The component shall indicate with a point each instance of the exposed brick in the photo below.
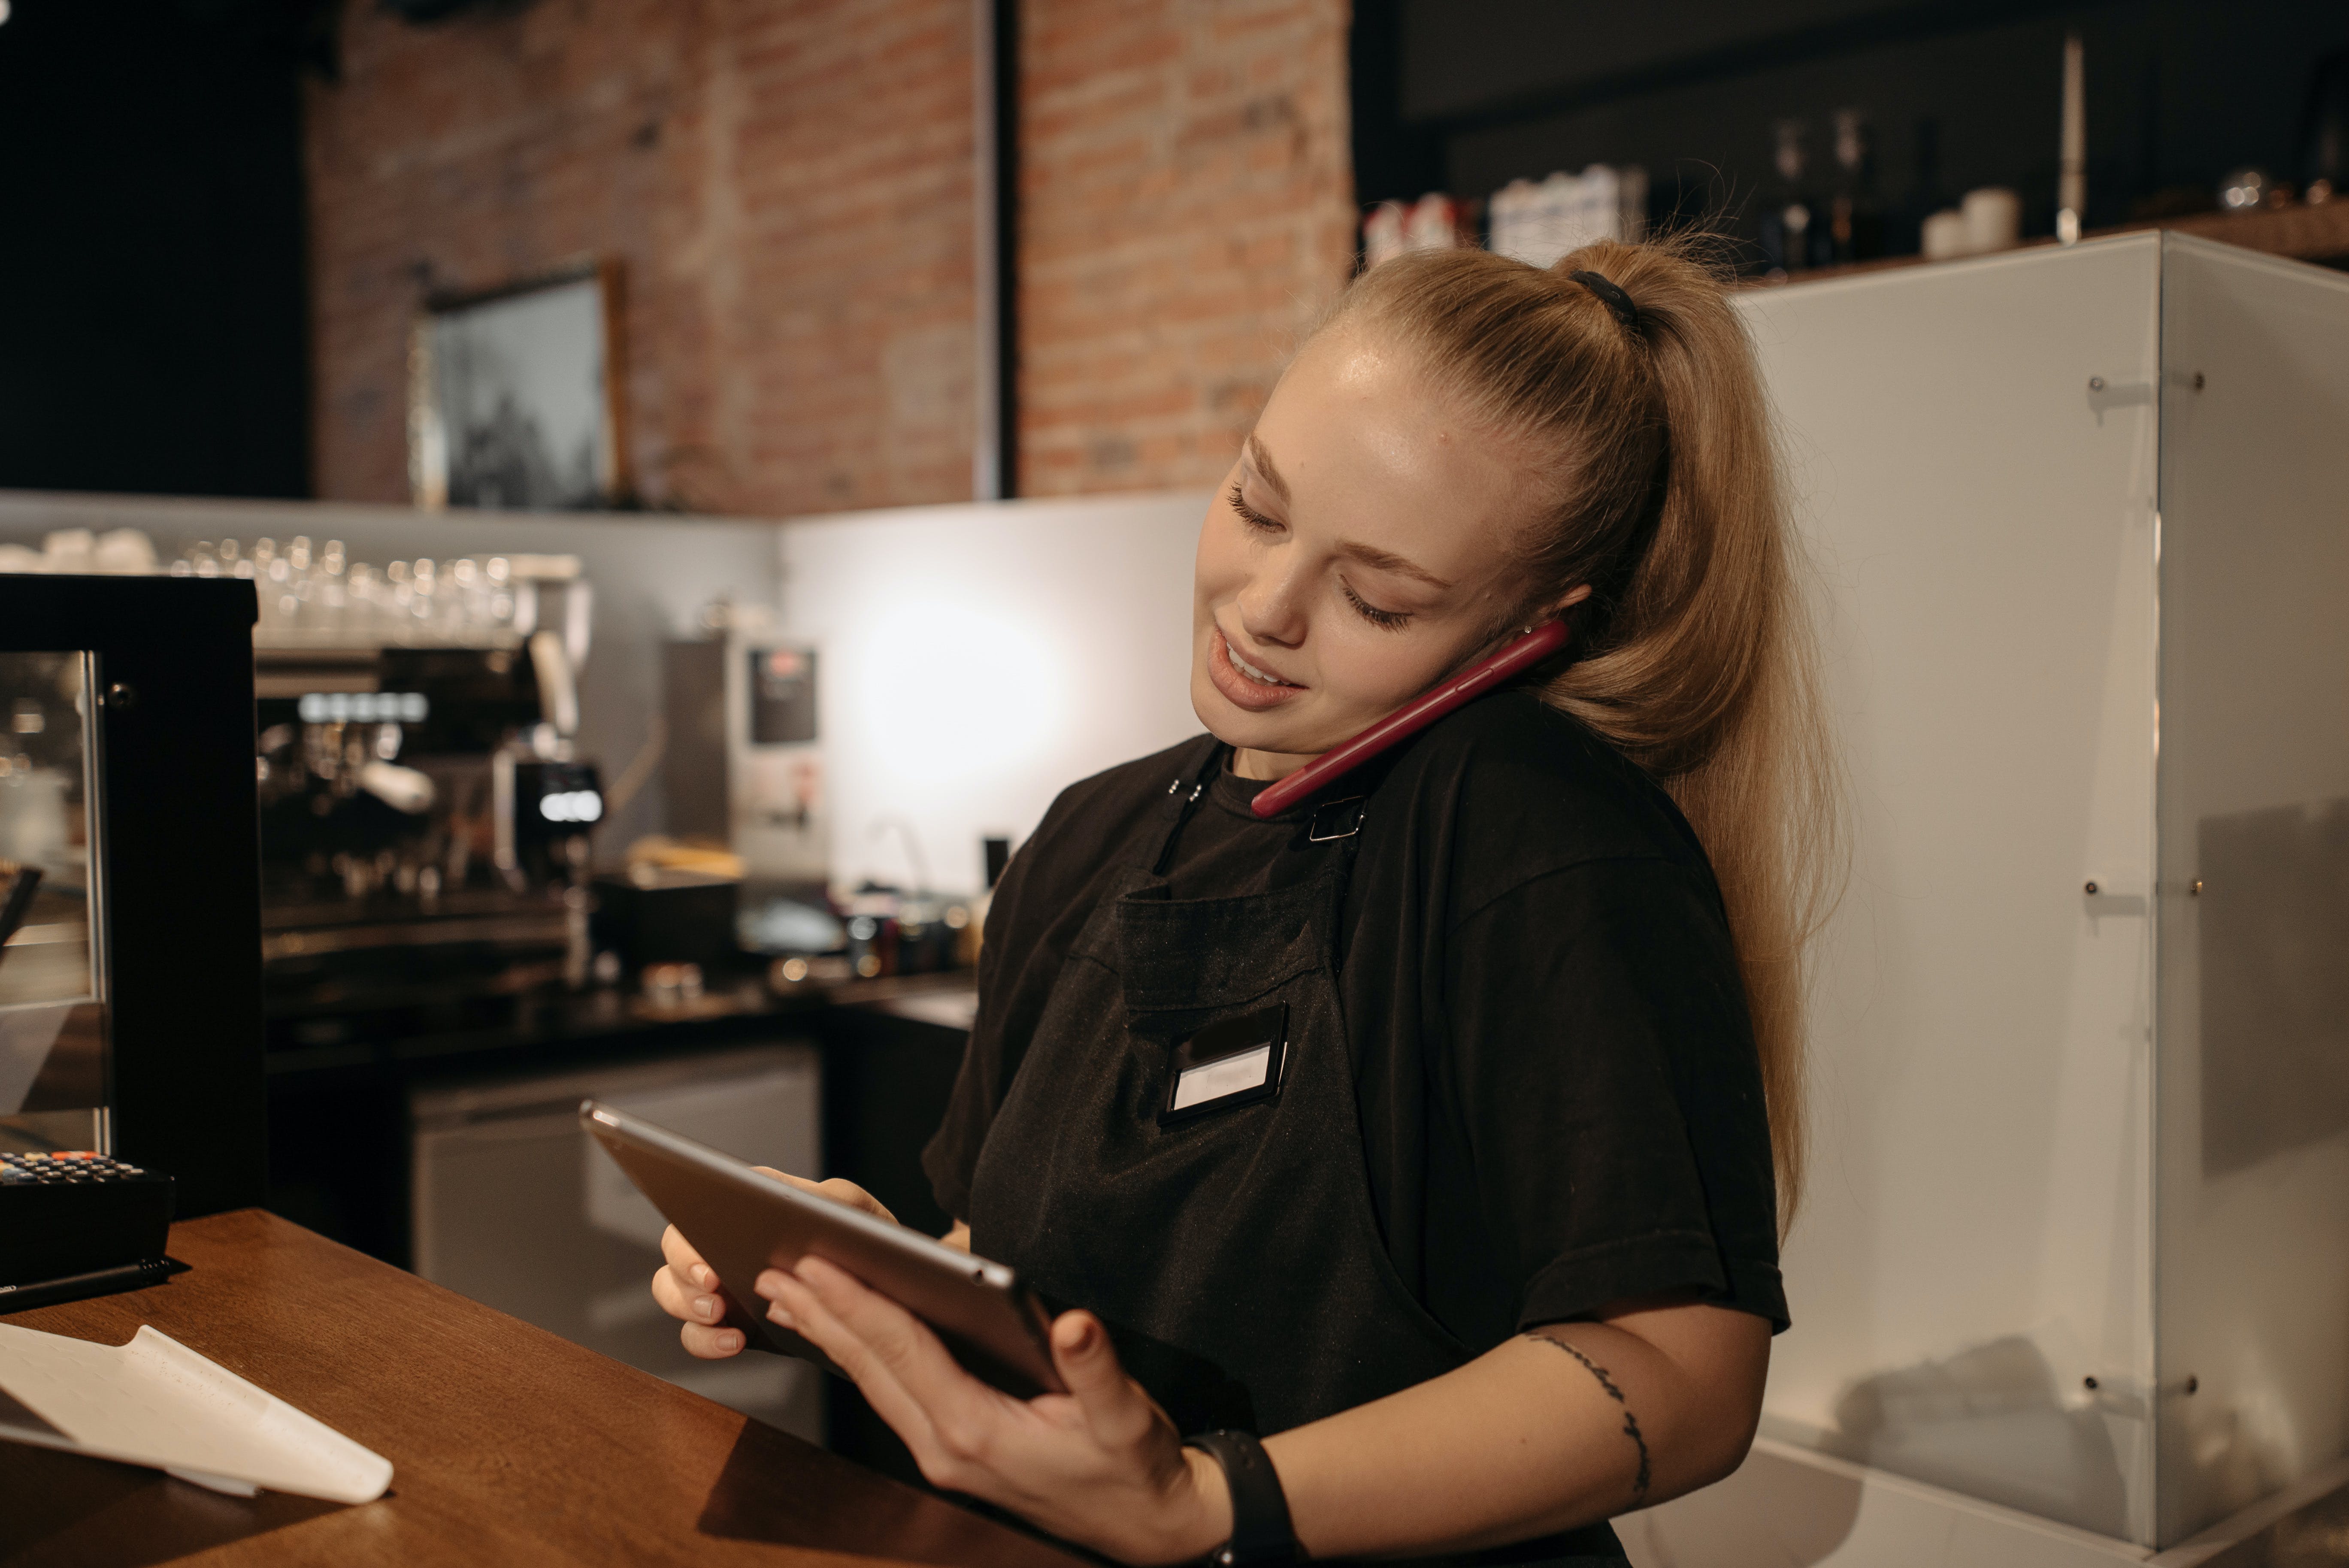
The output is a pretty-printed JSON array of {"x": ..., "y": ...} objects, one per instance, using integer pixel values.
[
  {"x": 787, "y": 185},
  {"x": 1193, "y": 268}
]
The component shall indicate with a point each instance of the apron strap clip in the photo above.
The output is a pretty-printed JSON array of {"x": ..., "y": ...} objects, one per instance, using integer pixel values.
[{"x": 1335, "y": 819}]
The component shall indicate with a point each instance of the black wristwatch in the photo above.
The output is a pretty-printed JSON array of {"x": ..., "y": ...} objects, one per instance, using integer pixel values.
[{"x": 1260, "y": 1529}]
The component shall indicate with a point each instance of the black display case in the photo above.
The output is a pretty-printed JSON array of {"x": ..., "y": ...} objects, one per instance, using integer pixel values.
[{"x": 126, "y": 734}]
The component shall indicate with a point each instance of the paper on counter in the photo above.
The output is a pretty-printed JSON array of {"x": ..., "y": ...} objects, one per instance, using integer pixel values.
[{"x": 156, "y": 1402}]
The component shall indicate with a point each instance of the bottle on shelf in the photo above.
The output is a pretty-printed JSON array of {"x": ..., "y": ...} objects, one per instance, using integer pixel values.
[
  {"x": 1382, "y": 234},
  {"x": 1434, "y": 222},
  {"x": 2072, "y": 148},
  {"x": 1540, "y": 221},
  {"x": 1854, "y": 217},
  {"x": 1510, "y": 215},
  {"x": 1788, "y": 229},
  {"x": 1616, "y": 202}
]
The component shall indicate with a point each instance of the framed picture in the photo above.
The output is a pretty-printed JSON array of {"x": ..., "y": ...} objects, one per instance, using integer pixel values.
[{"x": 514, "y": 396}]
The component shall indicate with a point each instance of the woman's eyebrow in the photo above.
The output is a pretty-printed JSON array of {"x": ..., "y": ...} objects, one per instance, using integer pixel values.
[
  {"x": 1387, "y": 561},
  {"x": 1264, "y": 469}
]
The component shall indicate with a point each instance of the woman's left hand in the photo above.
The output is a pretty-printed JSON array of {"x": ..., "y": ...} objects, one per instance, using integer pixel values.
[{"x": 1101, "y": 1465}]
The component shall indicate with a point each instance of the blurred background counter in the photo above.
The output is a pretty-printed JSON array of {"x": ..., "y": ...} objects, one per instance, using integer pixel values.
[{"x": 695, "y": 816}]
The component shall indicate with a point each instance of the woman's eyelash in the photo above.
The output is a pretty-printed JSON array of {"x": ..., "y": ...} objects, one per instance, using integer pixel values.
[
  {"x": 1388, "y": 619},
  {"x": 1249, "y": 514}
]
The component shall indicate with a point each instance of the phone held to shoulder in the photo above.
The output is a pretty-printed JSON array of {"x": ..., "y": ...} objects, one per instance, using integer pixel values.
[{"x": 1408, "y": 720}]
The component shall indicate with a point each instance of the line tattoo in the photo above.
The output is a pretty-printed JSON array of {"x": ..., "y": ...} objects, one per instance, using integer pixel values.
[{"x": 1631, "y": 1421}]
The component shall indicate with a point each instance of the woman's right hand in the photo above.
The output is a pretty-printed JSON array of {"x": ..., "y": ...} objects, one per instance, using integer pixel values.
[{"x": 686, "y": 1288}]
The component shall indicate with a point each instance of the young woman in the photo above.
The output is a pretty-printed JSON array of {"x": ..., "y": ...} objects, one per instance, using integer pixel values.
[{"x": 1498, "y": 1260}]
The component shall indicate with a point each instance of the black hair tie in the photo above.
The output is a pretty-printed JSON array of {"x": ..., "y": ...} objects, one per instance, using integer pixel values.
[{"x": 1612, "y": 297}]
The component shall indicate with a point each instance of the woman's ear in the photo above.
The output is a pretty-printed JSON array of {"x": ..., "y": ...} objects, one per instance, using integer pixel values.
[
  {"x": 1569, "y": 599},
  {"x": 1557, "y": 607}
]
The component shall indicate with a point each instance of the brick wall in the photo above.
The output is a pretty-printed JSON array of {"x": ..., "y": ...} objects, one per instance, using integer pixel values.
[
  {"x": 786, "y": 183},
  {"x": 1187, "y": 206}
]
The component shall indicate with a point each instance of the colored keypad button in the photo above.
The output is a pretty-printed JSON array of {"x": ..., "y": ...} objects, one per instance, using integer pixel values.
[{"x": 77, "y": 1165}]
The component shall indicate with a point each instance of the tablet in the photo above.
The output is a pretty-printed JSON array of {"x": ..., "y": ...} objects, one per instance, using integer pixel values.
[{"x": 743, "y": 1222}]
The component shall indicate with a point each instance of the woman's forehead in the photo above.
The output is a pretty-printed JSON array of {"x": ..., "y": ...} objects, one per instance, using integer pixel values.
[{"x": 1357, "y": 438}]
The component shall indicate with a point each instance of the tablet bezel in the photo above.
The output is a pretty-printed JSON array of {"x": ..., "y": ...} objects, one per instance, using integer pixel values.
[{"x": 742, "y": 1221}]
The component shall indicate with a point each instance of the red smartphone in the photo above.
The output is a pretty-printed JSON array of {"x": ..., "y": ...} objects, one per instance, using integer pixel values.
[{"x": 1412, "y": 717}]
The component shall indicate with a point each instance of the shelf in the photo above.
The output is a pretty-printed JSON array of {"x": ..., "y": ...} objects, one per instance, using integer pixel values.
[
  {"x": 2319, "y": 234},
  {"x": 2306, "y": 234}
]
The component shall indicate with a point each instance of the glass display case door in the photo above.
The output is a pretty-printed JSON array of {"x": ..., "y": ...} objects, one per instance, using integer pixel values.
[{"x": 54, "y": 1036}]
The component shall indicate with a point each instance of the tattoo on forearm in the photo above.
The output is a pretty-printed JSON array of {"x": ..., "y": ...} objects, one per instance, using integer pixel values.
[{"x": 1631, "y": 1421}]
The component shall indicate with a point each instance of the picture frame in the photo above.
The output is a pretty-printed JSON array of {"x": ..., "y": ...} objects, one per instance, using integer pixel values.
[{"x": 515, "y": 396}]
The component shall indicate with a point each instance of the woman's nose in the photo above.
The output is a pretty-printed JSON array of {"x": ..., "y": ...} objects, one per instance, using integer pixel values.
[{"x": 1272, "y": 606}]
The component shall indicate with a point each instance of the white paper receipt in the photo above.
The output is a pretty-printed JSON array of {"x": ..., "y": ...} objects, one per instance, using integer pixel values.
[{"x": 1214, "y": 1080}]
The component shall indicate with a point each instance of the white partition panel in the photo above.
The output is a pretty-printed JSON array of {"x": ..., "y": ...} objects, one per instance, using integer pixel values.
[
  {"x": 978, "y": 659},
  {"x": 1973, "y": 450},
  {"x": 2077, "y": 1238},
  {"x": 2253, "y": 1275}
]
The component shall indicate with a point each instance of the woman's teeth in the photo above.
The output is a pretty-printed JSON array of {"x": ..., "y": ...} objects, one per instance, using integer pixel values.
[{"x": 1248, "y": 669}]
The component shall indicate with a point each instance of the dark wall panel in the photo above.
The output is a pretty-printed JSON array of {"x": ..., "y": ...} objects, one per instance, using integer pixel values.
[
  {"x": 152, "y": 263},
  {"x": 1464, "y": 57}
]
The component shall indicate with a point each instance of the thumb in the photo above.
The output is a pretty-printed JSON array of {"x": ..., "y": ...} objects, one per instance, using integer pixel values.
[{"x": 1088, "y": 1364}]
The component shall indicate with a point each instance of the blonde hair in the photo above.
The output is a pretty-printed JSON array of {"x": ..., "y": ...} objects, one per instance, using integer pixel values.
[{"x": 1693, "y": 654}]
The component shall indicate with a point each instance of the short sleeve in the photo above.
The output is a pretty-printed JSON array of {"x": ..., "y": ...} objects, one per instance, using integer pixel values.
[{"x": 1602, "y": 1073}]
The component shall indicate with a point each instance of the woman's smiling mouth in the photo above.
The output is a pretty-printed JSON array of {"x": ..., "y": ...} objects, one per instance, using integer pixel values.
[
  {"x": 1250, "y": 671},
  {"x": 1241, "y": 683}
]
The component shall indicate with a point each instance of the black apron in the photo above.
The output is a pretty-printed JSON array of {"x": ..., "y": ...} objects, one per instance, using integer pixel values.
[{"x": 1234, "y": 1256}]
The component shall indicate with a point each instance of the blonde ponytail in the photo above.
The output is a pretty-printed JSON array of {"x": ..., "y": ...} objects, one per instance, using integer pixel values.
[{"x": 1696, "y": 658}]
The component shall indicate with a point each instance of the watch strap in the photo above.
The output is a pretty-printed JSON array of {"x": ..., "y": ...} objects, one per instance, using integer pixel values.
[{"x": 1261, "y": 1531}]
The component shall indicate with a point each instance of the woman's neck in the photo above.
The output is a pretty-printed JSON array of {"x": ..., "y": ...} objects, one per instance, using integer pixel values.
[{"x": 1267, "y": 765}]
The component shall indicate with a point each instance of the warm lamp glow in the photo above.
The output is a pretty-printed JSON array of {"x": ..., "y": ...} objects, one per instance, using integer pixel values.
[{"x": 947, "y": 693}]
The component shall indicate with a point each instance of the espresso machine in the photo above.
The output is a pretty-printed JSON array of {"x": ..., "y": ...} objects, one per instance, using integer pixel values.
[{"x": 426, "y": 821}]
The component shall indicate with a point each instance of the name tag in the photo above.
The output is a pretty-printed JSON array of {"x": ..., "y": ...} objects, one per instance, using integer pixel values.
[
  {"x": 1222, "y": 1079},
  {"x": 1235, "y": 1062}
]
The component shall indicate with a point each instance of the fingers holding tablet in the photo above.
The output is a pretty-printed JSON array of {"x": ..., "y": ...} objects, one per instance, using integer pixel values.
[
  {"x": 748, "y": 1223},
  {"x": 686, "y": 1289},
  {"x": 680, "y": 1259}
]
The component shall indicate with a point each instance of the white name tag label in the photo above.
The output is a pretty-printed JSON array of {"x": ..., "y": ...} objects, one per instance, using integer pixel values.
[
  {"x": 1233, "y": 1062},
  {"x": 1216, "y": 1079}
]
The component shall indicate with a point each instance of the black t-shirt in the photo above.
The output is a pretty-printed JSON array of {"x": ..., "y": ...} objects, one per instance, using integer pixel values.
[{"x": 1555, "y": 1073}]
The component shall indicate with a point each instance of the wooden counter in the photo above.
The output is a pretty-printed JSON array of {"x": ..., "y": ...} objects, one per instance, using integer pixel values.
[{"x": 507, "y": 1445}]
